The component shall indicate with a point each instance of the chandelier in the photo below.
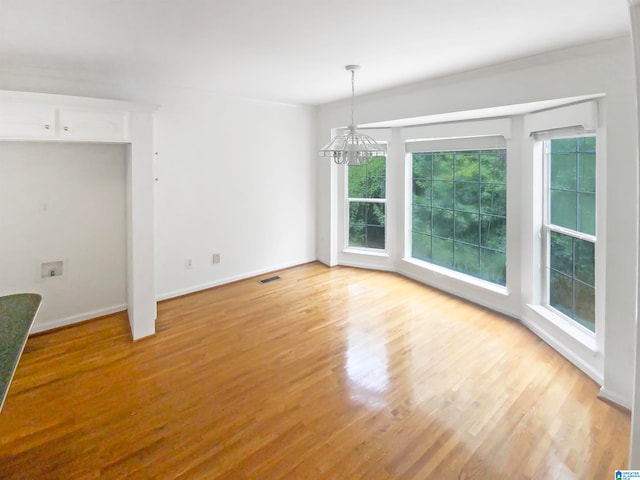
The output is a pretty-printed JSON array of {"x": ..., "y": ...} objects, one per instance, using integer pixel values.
[{"x": 352, "y": 147}]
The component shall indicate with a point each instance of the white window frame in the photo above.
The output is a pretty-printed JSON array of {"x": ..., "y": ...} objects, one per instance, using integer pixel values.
[
  {"x": 575, "y": 341},
  {"x": 382, "y": 136},
  {"x": 454, "y": 136},
  {"x": 547, "y": 227},
  {"x": 348, "y": 203}
]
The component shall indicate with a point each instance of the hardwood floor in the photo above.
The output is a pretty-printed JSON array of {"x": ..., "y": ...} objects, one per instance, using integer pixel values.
[{"x": 325, "y": 374}]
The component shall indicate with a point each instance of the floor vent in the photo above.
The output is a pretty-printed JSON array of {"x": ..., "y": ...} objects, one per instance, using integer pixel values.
[{"x": 270, "y": 279}]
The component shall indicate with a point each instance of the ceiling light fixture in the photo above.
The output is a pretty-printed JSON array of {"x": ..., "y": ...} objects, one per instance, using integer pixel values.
[{"x": 352, "y": 148}]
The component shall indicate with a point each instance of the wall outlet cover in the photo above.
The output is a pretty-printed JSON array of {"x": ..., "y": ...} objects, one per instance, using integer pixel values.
[{"x": 52, "y": 269}]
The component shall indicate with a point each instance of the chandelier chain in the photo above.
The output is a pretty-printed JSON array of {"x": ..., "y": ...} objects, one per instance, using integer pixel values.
[{"x": 353, "y": 93}]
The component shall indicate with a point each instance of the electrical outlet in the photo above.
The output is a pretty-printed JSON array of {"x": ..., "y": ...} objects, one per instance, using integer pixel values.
[
  {"x": 188, "y": 263},
  {"x": 216, "y": 258}
]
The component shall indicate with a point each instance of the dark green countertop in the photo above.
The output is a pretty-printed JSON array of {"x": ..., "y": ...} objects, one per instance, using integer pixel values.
[{"x": 17, "y": 313}]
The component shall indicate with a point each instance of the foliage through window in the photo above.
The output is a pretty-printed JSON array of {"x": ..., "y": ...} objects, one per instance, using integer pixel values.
[
  {"x": 458, "y": 211},
  {"x": 367, "y": 202},
  {"x": 571, "y": 227}
]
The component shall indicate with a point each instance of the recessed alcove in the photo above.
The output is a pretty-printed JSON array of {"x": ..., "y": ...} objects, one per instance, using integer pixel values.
[{"x": 34, "y": 117}]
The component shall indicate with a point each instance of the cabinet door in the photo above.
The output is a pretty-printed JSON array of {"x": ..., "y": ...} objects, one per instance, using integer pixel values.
[
  {"x": 93, "y": 126},
  {"x": 19, "y": 121}
]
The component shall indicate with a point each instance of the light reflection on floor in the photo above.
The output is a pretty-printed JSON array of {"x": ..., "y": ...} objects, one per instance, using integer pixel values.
[{"x": 367, "y": 367}]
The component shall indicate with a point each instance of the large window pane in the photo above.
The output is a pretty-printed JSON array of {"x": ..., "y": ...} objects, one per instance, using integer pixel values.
[
  {"x": 367, "y": 224},
  {"x": 573, "y": 184},
  {"x": 459, "y": 205},
  {"x": 571, "y": 278}
]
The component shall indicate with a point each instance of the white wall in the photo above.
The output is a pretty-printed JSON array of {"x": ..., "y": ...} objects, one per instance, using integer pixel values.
[
  {"x": 64, "y": 202},
  {"x": 601, "y": 68},
  {"x": 235, "y": 177},
  {"x": 634, "y": 444}
]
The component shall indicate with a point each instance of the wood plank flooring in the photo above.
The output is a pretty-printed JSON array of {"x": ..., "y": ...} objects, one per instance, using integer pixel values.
[{"x": 325, "y": 374}]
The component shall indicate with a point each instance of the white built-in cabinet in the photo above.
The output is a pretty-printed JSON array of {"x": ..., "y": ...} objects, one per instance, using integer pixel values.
[
  {"x": 26, "y": 116},
  {"x": 48, "y": 122},
  {"x": 19, "y": 121}
]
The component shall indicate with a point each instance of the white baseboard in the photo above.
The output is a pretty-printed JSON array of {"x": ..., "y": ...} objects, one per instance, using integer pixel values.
[
  {"x": 563, "y": 350},
  {"x": 456, "y": 293},
  {"x": 326, "y": 261},
  {"x": 382, "y": 268},
  {"x": 80, "y": 317},
  {"x": 615, "y": 398},
  {"x": 234, "y": 278}
]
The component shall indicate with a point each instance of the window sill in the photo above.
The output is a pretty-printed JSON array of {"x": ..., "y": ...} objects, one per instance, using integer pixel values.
[
  {"x": 462, "y": 277},
  {"x": 367, "y": 251},
  {"x": 587, "y": 339}
]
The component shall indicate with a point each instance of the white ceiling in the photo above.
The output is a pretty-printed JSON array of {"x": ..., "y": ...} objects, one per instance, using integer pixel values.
[{"x": 290, "y": 50}]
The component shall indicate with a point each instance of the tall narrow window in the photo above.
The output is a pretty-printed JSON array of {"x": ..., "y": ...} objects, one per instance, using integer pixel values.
[
  {"x": 570, "y": 226},
  {"x": 458, "y": 211},
  {"x": 366, "y": 202}
]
